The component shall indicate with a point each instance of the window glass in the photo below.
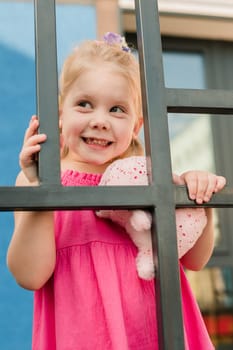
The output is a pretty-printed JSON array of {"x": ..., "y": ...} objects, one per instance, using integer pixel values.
[
  {"x": 192, "y": 148},
  {"x": 184, "y": 70},
  {"x": 189, "y": 133}
]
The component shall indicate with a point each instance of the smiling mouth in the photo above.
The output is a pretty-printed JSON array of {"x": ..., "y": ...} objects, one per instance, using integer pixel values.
[{"x": 94, "y": 141}]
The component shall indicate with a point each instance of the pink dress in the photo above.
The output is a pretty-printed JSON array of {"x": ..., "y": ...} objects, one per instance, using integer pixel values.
[{"x": 95, "y": 300}]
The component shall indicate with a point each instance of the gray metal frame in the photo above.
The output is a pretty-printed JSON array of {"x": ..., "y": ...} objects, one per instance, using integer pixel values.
[
  {"x": 161, "y": 197},
  {"x": 218, "y": 58}
]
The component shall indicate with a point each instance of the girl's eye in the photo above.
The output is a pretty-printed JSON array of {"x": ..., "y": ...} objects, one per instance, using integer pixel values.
[
  {"x": 84, "y": 104},
  {"x": 117, "y": 109}
]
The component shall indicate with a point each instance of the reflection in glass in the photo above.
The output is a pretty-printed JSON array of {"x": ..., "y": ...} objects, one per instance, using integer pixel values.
[
  {"x": 213, "y": 290},
  {"x": 189, "y": 133}
]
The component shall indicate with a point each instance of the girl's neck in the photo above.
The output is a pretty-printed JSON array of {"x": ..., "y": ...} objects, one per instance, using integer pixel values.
[{"x": 82, "y": 167}]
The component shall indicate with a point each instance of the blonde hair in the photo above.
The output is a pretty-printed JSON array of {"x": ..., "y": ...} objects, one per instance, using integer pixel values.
[{"x": 94, "y": 52}]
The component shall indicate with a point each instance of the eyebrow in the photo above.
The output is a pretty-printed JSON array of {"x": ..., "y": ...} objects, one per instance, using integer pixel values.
[
  {"x": 83, "y": 96},
  {"x": 120, "y": 101}
]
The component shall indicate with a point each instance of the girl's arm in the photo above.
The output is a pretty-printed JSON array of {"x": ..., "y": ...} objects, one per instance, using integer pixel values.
[
  {"x": 31, "y": 253},
  {"x": 201, "y": 186}
]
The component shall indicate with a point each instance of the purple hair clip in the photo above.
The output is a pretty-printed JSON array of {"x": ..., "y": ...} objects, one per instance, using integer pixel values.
[{"x": 115, "y": 39}]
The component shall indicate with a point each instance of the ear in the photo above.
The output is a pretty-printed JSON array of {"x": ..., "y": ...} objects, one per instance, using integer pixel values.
[
  {"x": 62, "y": 143},
  {"x": 60, "y": 130},
  {"x": 60, "y": 121},
  {"x": 137, "y": 126}
]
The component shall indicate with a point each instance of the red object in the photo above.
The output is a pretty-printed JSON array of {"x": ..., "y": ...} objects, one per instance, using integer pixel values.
[
  {"x": 211, "y": 324},
  {"x": 225, "y": 324}
]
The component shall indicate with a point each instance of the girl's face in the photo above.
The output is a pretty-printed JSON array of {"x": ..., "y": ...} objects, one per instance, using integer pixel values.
[{"x": 98, "y": 118}]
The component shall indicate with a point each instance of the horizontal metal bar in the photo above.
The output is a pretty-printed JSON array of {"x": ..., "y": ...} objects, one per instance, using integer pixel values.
[
  {"x": 59, "y": 197},
  {"x": 199, "y": 101},
  {"x": 223, "y": 199}
]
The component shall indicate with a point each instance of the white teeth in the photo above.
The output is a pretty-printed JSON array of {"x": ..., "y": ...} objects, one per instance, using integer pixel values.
[{"x": 92, "y": 141}]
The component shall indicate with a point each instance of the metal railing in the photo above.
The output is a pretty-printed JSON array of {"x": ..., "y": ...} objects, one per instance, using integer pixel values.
[{"x": 161, "y": 196}]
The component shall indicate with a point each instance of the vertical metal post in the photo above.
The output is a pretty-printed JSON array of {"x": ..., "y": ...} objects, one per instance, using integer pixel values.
[
  {"x": 47, "y": 90},
  {"x": 169, "y": 313}
]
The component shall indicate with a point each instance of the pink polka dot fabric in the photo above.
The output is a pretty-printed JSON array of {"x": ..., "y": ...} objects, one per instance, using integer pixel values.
[{"x": 133, "y": 171}]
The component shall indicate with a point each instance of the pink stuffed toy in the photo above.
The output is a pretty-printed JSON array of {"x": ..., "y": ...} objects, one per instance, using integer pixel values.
[{"x": 137, "y": 223}]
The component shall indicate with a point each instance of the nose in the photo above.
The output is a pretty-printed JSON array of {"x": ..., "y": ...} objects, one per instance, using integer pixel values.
[{"x": 100, "y": 121}]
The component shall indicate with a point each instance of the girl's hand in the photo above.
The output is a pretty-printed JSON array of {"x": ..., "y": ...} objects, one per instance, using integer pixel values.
[
  {"x": 30, "y": 149},
  {"x": 201, "y": 184}
]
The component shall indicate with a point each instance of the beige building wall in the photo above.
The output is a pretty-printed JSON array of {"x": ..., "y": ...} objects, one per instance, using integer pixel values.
[
  {"x": 108, "y": 16},
  {"x": 204, "y": 19},
  {"x": 198, "y": 27}
]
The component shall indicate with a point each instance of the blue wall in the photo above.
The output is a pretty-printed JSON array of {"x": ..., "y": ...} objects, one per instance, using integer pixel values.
[{"x": 17, "y": 104}]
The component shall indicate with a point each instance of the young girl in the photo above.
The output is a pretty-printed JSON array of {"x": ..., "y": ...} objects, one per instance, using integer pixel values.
[{"x": 88, "y": 295}]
